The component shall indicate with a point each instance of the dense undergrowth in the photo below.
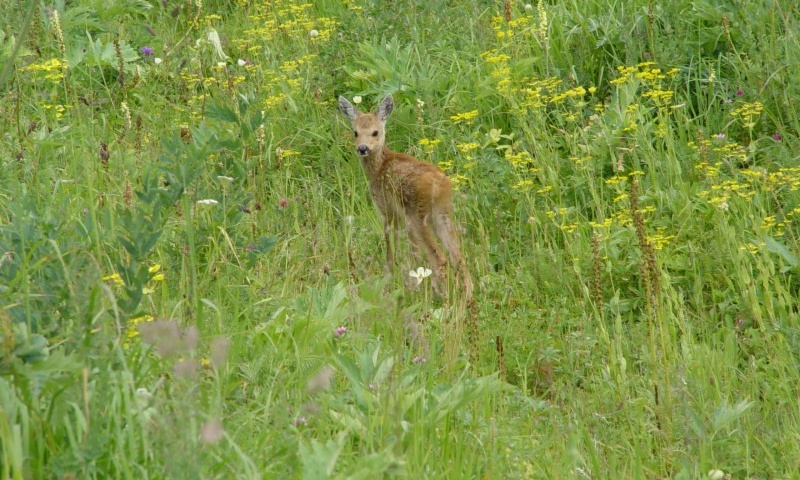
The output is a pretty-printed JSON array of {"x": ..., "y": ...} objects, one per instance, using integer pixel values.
[{"x": 190, "y": 269}]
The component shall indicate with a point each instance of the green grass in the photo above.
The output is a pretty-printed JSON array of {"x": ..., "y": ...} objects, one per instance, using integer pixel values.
[{"x": 628, "y": 189}]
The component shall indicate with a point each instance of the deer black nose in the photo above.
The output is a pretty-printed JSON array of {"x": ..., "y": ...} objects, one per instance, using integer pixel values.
[{"x": 362, "y": 149}]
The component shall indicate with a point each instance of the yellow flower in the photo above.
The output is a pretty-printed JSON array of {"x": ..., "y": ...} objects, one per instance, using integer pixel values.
[
  {"x": 115, "y": 278},
  {"x": 446, "y": 165},
  {"x": 465, "y": 148},
  {"x": 427, "y": 142},
  {"x": 523, "y": 184},
  {"x": 133, "y": 322},
  {"x": 53, "y": 69},
  {"x": 466, "y": 117}
]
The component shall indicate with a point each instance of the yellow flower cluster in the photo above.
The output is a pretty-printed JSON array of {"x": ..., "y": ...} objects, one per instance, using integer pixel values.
[
  {"x": 52, "y": 69},
  {"x": 538, "y": 92},
  {"x": 577, "y": 92},
  {"x": 466, "y": 117},
  {"x": 521, "y": 160},
  {"x": 748, "y": 113},
  {"x": 466, "y": 148},
  {"x": 428, "y": 144},
  {"x": 133, "y": 323},
  {"x": 284, "y": 17}
]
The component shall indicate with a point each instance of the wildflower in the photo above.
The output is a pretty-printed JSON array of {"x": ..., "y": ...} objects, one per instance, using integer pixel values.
[
  {"x": 777, "y": 137},
  {"x": 465, "y": 148},
  {"x": 283, "y": 203},
  {"x": 241, "y": 62},
  {"x": 340, "y": 331},
  {"x": 115, "y": 278},
  {"x": 300, "y": 421},
  {"x": 143, "y": 394},
  {"x": 420, "y": 274},
  {"x": 739, "y": 92},
  {"x": 313, "y": 34},
  {"x": 419, "y": 360},
  {"x": 224, "y": 179},
  {"x": 213, "y": 37},
  {"x": 720, "y": 136},
  {"x": 430, "y": 143},
  {"x": 716, "y": 474},
  {"x": 466, "y": 117},
  {"x": 155, "y": 268},
  {"x": 133, "y": 330},
  {"x": 207, "y": 201},
  {"x": 126, "y": 114},
  {"x": 528, "y": 7},
  {"x": 357, "y": 99},
  {"x": 157, "y": 61},
  {"x": 146, "y": 51},
  {"x": 221, "y": 64}
]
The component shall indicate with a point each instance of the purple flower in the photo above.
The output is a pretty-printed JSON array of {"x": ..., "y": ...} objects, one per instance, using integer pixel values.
[
  {"x": 283, "y": 203},
  {"x": 777, "y": 137},
  {"x": 340, "y": 332},
  {"x": 147, "y": 51},
  {"x": 720, "y": 136},
  {"x": 419, "y": 360},
  {"x": 739, "y": 92}
]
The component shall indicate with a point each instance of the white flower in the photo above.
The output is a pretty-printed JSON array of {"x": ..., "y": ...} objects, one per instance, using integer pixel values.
[
  {"x": 157, "y": 61},
  {"x": 224, "y": 179},
  {"x": 528, "y": 6},
  {"x": 357, "y": 99},
  {"x": 420, "y": 103},
  {"x": 420, "y": 274},
  {"x": 207, "y": 201},
  {"x": 313, "y": 33},
  {"x": 241, "y": 62},
  {"x": 143, "y": 393},
  {"x": 213, "y": 37},
  {"x": 716, "y": 474},
  {"x": 221, "y": 64}
]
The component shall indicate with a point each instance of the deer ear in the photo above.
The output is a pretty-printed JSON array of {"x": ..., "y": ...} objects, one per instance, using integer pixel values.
[
  {"x": 385, "y": 108},
  {"x": 347, "y": 109}
]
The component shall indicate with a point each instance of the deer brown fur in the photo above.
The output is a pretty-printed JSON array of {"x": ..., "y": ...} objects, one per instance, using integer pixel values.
[{"x": 407, "y": 189}]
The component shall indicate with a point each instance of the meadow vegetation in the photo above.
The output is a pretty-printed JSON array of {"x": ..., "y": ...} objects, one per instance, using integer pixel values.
[{"x": 191, "y": 277}]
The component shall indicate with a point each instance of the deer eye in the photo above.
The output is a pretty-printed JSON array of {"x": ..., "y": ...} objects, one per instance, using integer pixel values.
[
  {"x": 375, "y": 133},
  {"x": 355, "y": 133}
]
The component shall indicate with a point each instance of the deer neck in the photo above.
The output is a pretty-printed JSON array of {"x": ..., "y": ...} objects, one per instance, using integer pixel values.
[{"x": 374, "y": 162}]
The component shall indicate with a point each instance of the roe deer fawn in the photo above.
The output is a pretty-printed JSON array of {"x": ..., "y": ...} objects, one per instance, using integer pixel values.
[{"x": 404, "y": 187}]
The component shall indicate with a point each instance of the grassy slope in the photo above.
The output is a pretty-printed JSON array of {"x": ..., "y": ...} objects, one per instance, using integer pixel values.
[{"x": 637, "y": 339}]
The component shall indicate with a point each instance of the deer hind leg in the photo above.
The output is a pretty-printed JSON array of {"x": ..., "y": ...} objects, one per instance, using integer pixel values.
[
  {"x": 421, "y": 234},
  {"x": 446, "y": 231},
  {"x": 416, "y": 241}
]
